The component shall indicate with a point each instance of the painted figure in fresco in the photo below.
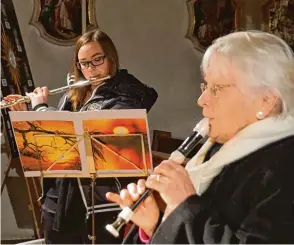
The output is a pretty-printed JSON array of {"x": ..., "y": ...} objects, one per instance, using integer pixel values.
[
  {"x": 61, "y": 18},
  {"x": 226, "y": 18},
  {"x": 213, "y": 18}
]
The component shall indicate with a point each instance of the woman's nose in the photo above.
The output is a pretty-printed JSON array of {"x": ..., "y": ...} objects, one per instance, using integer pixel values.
[{"x": 203, "y": 99}]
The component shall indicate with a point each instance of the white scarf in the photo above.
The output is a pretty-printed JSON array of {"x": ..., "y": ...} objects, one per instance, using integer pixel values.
[{"x": 248, "y": 140}]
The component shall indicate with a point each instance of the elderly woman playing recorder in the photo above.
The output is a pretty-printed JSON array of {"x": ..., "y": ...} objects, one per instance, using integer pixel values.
[{"x": 239, "y": 187}]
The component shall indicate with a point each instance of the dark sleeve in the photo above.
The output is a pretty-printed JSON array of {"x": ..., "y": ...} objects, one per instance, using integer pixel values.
[
  {"x": 184, "y": 225},
  {"x": 124, "y": 103},
  {"x": 132, "y": 88},
  {"x": 271, "y": 217},
  {"x": 132, "y": 94},
  {"x": 149, "y": 99},
  {"x": 137, "y": 97},
  {"x": 133, "y": 236}
]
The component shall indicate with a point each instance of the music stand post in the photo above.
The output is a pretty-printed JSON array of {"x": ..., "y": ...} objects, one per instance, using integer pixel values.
[
  {"x": 90, "y": 159},
  {"x": 93, "y": 236}
]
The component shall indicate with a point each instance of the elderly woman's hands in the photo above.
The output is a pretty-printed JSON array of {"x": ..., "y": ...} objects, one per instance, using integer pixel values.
[
  {"x": 173, "y": 183},
  {"x": 147, "y": 213}
]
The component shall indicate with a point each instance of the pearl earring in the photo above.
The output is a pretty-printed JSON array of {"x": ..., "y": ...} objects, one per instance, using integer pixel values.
[{"x": 259, "y": 115}]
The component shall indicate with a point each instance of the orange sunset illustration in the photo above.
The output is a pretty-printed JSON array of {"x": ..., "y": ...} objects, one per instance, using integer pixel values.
[
  {"x": 47, "y": 145},
  {"x": 119, "y": 144}
]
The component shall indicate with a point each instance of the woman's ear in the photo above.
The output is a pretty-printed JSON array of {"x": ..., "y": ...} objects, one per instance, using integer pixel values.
[{"x": 270, "y": 101}]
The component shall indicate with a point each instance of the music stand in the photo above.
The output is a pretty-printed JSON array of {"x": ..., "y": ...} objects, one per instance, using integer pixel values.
[{"x": 101, "y": 144}]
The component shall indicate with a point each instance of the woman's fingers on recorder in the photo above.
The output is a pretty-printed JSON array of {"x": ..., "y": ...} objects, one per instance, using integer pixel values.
[
  {"x": 126, "y": 198},
  {"x": 123, "y": 198},
  {"x": 141, "y": 186},
  {"x": 114, "y": 197},
  {"x": 133, "y": 191},
  {"x": 136, "y": 190}
]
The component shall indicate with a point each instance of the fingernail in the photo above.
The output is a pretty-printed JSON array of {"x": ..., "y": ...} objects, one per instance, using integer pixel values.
[{"x": 135, "y": 195}]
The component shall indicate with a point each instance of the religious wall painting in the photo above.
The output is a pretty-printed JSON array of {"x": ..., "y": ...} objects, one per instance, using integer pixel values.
[
  {"x": 210, "y": 19},
  {"x": 60, "y": 21}
]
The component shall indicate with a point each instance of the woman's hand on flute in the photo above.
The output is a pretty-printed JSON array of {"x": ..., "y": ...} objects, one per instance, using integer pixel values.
[
  {"x": 16, "y": 107},
  {"x": 39, "y": 96},
  {"x": 146, "y": 214},
  {"x": 172, "y": 182}
]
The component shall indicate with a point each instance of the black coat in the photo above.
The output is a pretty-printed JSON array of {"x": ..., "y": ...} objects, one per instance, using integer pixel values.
[
  {"x": 123, "y": 91},
  {"x": 62, "y": 196},
  {"x": 250, "y": 201}
]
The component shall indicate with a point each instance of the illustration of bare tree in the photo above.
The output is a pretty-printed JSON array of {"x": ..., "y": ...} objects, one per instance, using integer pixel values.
[{"x": 37, "y": 152}]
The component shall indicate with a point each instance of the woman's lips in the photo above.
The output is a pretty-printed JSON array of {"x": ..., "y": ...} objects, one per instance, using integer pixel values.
[{"x": 209, "y": 118}]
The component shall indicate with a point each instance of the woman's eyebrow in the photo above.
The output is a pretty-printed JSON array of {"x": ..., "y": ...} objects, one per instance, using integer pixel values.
[{"x": 99, "y": 53}]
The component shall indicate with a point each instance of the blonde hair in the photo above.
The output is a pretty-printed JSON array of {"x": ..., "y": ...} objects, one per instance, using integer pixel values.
[
  {"x": 77, "y": 95},
  {"x": 265, "y": 60}
]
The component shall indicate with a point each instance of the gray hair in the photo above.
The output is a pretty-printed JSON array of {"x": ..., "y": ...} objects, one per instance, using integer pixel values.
[{"x": 266, "y": 61}]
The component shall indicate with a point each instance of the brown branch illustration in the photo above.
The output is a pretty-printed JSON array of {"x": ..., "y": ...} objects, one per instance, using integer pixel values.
[{"x": 29, "y": 148}]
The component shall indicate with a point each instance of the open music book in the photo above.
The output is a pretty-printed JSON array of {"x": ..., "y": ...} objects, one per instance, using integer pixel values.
[{"x": 108, "y": 143}]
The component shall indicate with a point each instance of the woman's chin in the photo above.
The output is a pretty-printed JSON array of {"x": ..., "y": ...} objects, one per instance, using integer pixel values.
[{"x": 216, "y": 137}]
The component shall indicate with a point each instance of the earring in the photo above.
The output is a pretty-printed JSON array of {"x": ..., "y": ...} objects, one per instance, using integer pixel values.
[{"x": 259, "y": 115}]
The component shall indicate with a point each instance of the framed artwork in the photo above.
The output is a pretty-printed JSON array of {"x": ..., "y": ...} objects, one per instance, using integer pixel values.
[
  {"x": 278, "y": 19},
  {"x": 61, "y": 21},
  {"x": 210, "y": 19}
]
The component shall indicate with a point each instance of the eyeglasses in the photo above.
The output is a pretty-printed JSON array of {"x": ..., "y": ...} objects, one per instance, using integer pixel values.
[
  {"x": 215, "y": 89},
  {"x": 95, "y": 62}
]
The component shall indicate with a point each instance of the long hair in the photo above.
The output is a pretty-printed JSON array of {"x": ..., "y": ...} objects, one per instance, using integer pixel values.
[{"x": 77, "y": 95}]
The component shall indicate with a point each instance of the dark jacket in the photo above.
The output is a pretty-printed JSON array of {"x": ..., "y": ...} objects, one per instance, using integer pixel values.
[
  {"x": 123, "y": 91},
  {"x": 250, "y": 201},
  {"x": 62, "y": 196}
]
